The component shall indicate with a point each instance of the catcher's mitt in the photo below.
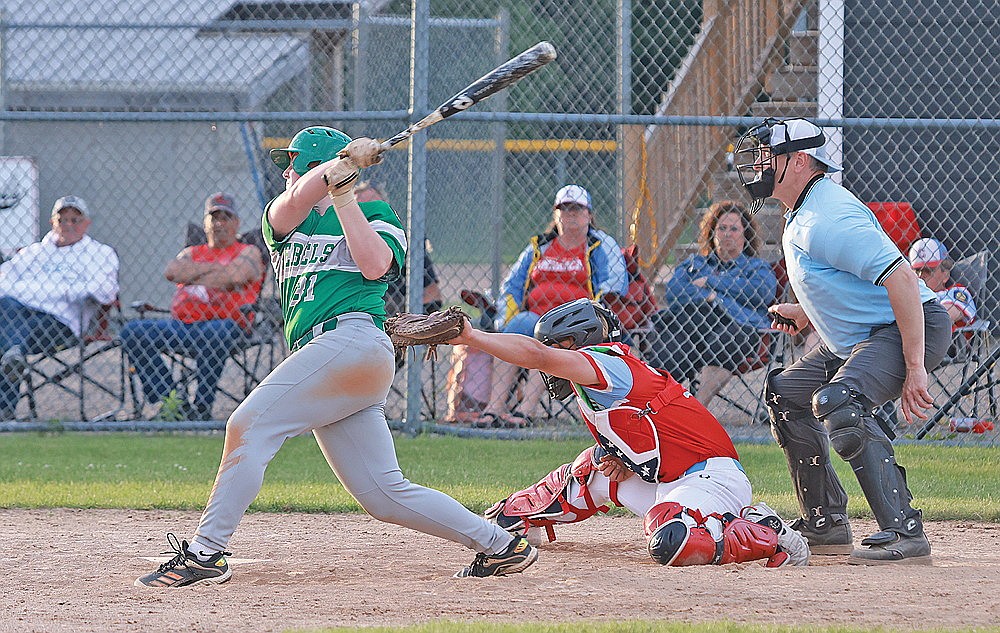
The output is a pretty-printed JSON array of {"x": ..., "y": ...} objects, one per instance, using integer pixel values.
[{"x": 408, "y": 329}]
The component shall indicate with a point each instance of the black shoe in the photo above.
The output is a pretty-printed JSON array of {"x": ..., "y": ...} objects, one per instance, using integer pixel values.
[
  {"x": 518, "y": 556},
  {"x": 893, "y": 548},
  {"x": 13, "y": 364},
  {"x": 185, "y": 569},
  {"x": 837, "y": 539}
]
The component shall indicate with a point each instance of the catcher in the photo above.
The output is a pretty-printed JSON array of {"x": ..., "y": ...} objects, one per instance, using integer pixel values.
[{"x": 659, "y": 452}]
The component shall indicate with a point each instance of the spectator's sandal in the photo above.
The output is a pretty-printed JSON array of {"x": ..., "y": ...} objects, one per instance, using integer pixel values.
[
  {"x": 486, "y": 421},
  {"x": 515, "y": 420}
]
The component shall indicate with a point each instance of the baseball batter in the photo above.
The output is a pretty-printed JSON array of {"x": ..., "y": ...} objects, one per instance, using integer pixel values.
[
  {"x": 659, "y": 452},
  {"x": 332, "y": 258}
]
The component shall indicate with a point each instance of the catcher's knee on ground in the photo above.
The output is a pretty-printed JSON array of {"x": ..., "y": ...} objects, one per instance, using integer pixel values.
[
  {"x": 546, "y": 503},
  {"x": 680, "y": 536}
]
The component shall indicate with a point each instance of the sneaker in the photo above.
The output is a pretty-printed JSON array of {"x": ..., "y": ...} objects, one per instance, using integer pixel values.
[
  {"x": 893, "y": 548},
  {"x": 185, "y": 569},
  {"x": 837, "y": 539},
  {"x": 518, "y": 556},
  {"x": 793, "y": 549},
  {"x": 13, "y": 364}
]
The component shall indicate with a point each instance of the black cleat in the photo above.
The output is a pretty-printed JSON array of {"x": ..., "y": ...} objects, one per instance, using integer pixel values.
[
  {"x": 518, "y": 556},
  {"x": 185, "y": 568},
  {"x": 837, "y": 539}
]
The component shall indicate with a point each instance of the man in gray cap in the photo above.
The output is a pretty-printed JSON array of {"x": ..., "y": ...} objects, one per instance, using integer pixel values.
[
  {"x": 214, "y": 281},
  {"x": 49, "y": 292},
  {"x": 881, "y": 331}
]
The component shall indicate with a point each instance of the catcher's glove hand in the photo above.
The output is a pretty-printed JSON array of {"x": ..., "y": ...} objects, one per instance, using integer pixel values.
[{"x": 408, "y": 329}]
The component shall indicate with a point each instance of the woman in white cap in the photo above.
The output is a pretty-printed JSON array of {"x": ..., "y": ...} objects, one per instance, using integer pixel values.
[{"x": 572, "y": 259}]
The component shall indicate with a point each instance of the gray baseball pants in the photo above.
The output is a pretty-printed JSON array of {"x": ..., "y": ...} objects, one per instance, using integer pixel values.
[{"x": 335, "y": 386}]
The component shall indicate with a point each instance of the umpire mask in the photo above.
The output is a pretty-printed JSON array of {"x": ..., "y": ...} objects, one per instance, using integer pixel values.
[
  {"x": 757, "y": 149},
  {"x": 754, "y": 162}
]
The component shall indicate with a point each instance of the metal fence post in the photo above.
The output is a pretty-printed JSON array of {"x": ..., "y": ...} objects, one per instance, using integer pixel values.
[
  {"x": 499, "y": 129},
  {"x": 417, "y": 176}
]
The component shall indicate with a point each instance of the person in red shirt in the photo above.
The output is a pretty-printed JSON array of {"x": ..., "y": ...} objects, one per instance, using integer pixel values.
[
  {"x": 214, "y": 281},
  {"x": 572, "y": 259},
  {"x": 660, "y": 453}
]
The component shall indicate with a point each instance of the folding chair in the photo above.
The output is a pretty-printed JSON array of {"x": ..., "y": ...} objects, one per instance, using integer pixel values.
[
  {"x": 775, "y": 350},
  {"x": 254, "y": 357},
  {"x": 971, "y": 349},
  {"x": 71, "y": 369}
]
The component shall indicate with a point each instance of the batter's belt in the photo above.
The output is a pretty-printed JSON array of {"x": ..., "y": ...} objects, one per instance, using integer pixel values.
[{"x": 331, "y": 324}]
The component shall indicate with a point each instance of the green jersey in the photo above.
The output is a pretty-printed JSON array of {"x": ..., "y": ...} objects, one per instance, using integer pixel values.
[{"x": 317, "y": 276}]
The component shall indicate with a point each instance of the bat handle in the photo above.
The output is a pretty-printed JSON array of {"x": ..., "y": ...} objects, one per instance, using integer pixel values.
[{"x": 395, "y": 140}]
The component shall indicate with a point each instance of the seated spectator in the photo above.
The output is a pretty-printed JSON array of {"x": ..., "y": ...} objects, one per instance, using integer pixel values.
[
  {"x": 929, "y": 259},
  {"x": 214, "y": 281},
  {"x": 572, "y": 259},
  {"x": 395, "y": 296},
  {"x": 716, "y": 301},
  {"x": 49, "y": 292}
]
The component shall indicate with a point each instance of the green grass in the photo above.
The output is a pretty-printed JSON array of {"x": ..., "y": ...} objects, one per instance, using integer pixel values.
[
  {"x": 617, "y": 627},
  {"x": 177, "y": 471}
]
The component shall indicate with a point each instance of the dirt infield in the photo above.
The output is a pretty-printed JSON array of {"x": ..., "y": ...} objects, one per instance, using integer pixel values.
[{"x": 73, "y": 570}]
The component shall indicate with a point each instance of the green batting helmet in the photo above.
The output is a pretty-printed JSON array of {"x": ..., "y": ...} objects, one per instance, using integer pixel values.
[{"x": 314, "y": 145}]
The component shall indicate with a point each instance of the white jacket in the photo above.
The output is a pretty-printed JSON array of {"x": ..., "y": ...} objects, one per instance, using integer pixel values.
[{"x": 68, "y": 282}]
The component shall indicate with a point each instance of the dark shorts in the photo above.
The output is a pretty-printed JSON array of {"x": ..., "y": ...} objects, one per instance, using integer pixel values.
[{"x": 875, "y": 368}]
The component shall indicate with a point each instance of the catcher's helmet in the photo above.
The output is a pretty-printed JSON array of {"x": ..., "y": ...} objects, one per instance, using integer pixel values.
[
  {"x": 757, "y": 148},
  {"x": 586, "y": 322},
  {"x": 314, "y": 145}
]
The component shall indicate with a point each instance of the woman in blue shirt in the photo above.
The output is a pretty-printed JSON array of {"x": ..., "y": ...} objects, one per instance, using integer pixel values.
[{"x": 716, "y": 301}]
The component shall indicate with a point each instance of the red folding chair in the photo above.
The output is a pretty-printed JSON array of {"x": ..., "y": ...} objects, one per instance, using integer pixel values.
[{"x": 899, "y": 221}]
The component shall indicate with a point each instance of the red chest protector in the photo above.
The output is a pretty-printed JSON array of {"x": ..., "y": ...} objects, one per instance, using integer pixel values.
[{"x": 659, "y": 429}]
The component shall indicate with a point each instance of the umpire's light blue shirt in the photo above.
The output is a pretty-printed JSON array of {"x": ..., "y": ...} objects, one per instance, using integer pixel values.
[{"x": 838, "y": 257}]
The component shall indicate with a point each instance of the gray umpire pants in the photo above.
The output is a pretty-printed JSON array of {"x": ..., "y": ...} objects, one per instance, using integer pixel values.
[
  {"x": 876, "y": 370},
  {"x": 335, "y": 386}
]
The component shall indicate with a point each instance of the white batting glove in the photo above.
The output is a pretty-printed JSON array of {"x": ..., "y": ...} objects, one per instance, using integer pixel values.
[
  {"x": 364, "y": 151},
  {"x": 340, "y": 176}
]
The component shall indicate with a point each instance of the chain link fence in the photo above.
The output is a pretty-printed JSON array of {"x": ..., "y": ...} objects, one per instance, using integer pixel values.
[{"x": 144, "y": 110}]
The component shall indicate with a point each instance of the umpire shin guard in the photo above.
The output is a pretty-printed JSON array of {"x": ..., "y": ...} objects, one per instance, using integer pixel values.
[
  {"x": 822, "y": 499},
  {"x": 861, "y": 442}
]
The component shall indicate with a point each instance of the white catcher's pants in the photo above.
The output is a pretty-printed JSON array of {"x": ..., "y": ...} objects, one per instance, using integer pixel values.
[
  {"x": 720, "y": 487},
  {"x": 335, "y": 386}
]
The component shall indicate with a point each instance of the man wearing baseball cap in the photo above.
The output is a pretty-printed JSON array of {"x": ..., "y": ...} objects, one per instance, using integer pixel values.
[
  {"x": 49, "y": 292},
  {"x": 881, "y": 329},
  {"x": 929, "y": 259},
  {"x": 214, "y": 281}
]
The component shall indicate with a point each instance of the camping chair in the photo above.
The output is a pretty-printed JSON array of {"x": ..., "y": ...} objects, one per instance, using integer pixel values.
[
  {"x": 970, "y": 351},
  {"x": 638, "y": 304},
  {"x": 79, "y": 371},
  {"x": 775, "y": 350},
  {"x": 254, "y": 357}
]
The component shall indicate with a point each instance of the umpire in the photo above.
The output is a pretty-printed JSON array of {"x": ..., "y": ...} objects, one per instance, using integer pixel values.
[{"x": 881, "y": 328}]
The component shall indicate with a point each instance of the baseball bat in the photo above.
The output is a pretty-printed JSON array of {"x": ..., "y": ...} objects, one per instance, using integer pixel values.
[{"x": 492, "y": 82}]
